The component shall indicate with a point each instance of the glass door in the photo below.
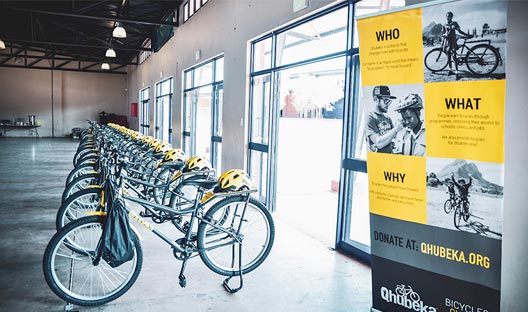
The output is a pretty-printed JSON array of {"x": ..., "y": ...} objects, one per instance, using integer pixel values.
[
  {"x": 163, "y": 111},
  {"x": 202, "y": 110},
  {"x": 216, "y": 138},
  {"x": 144, "y": 117}
]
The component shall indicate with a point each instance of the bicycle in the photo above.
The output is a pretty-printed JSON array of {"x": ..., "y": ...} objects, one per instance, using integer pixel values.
[
  {"x": 461, "y": 211},
  {"x": 405, "y": 291},
  {"x": 482, "y": 59},
  {"x": 74, "y": 272},
  {"x": 450, "y": 203}
]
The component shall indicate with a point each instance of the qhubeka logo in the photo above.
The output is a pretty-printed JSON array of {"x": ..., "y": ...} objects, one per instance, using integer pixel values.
[{"x": 406, "y": 297}]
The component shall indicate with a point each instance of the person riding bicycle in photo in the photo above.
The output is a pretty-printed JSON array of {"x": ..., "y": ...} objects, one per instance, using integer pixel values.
[
  {"x": 463, "y": 191},
  {"x": 451, "y": 191},
  {"x": 449, "y": 32}
]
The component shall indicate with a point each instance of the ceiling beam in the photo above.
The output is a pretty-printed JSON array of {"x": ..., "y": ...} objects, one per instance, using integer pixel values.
[
  {"x": 75, "y": 45},
  {"x": 58, "y": 58},
  {"x": 102, "y": 18},
  {"x": 10, "y": 56},
  {"x": 68, "y": 69}
]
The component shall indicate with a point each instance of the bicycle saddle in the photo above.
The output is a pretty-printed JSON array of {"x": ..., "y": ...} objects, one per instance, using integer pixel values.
[
  {"x": 178, "y": 165},
  {"x": 203, "y": 183}
]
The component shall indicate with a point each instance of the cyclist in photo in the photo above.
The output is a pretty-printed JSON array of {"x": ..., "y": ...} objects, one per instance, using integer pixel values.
[
  {"x": 411, "y": 139},
  {"x": 451, "y": 191},
  {"x": 380, "y": 128},
  {"x": 449, "y": 30},
  {"x": 463, "y": 191}
]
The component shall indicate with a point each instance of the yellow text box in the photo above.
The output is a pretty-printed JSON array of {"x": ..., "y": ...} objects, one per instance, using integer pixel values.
[
  {"x": 397, "y": 186},
  {"x": 465, "y": 120},
  {"x": 391, "y": 48}
]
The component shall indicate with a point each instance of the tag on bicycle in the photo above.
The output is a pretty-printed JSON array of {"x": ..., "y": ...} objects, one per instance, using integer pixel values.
[
  {"x": 176, "y": 175},
  {"x": 207, "y": 197}
]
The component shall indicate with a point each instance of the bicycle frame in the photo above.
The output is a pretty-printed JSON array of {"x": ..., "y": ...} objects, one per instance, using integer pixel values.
[{"x": 116, "y": 187}]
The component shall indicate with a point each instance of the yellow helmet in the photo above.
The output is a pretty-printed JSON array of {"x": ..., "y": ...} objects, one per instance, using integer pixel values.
[
  {"x": 197, "y": 163},
  {"x": 175, "y": 154},
  {"x": 153, "y": 143},
  {"x": 233, "y": 180},
  {"x": 146, "y": 139},
  {"x": 162, "y": 147}
]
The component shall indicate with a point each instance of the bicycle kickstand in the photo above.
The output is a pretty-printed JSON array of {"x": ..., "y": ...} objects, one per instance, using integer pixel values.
[
  {"x": 241, "y": 284},
  {"x": 70, "y": 307}
]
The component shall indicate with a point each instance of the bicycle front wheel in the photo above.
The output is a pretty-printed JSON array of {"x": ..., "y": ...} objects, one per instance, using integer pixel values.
[
  {"x": 70, "y": 272},
  {"x": 234, "y": 234},
  {"x": 447, "y": 206},
  {"x": 457, "y": 216},
  {"x": 77, "y": 205},
  {"x": 482, "y": 59},
  {"x": 79, "y": 183},
  {"x": 436, "y": 60}
]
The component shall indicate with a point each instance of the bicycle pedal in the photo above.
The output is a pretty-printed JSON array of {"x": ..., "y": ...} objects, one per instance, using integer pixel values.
[
  {"x": 183, "y": 281},
  {"x": 145, "y": 214}
]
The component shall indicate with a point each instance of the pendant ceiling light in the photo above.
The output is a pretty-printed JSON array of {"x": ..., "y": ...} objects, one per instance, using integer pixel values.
[
  {"x": 105, "y": 66},
  {"x": 110, "y": 53},
  {"x": 119, "y": 32},
  {"x": 2, "y": 45}
]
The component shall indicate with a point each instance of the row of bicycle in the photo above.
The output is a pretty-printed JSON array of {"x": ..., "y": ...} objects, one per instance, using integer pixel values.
[{"x": 121, "y": 175}]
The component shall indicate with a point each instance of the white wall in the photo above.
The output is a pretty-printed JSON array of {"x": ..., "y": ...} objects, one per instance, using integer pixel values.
[
  {"x": 77, "y": 96},
  {"x": 514, "y": 283},
  {"x": 222, "y": 26}
]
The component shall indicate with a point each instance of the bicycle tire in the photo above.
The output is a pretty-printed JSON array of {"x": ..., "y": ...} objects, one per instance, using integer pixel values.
[
  {"x": 183, "y": 196},
  {"x": 68, "y": 280},
  {"x": 79, "y": 183},
  {"x": 221, "y": 258},
  {"x": 77, "y": 205},
  {"x": 447, "y": 206},
  {"x": 482, "y": 59},
  {"x": 80, "y": 170},
  {"x": 436, "y": 60},
  {"x": 457, "y": 216},
  {"x": 84, "y": 152},
  {"x": 88, "y": 158},
  {"x": 159, "y": 179}
]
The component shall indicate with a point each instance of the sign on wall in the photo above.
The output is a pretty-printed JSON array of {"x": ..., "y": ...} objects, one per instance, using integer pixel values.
[{"x": 434, "y": 85}]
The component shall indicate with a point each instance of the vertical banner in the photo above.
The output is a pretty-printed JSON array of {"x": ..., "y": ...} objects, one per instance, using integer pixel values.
[{"x": 433, "y": 82}]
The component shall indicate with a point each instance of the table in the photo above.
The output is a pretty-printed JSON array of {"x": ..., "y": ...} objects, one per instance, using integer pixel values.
[{"x": 31, "y": 128}]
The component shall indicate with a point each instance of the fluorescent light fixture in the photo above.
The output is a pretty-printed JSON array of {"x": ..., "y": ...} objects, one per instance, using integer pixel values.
[
  {"x": 2, "y": 45},
  {"x": 105, "y": 66},
  {"x": 119, "y": 32},
  {"x": 110, "y": 53}
]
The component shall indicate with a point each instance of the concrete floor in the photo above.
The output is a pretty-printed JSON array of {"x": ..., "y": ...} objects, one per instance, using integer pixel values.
[{"x": 301, "y": 273}]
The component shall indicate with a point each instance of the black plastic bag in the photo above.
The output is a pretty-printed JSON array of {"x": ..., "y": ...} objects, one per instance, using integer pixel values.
[{"x": 117, "y": 245}]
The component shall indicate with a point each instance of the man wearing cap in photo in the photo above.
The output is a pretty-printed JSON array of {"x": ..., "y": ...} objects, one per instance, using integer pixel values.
[
  {"x": 380, "y": 128},
  {"x": 411, "y": 139}
]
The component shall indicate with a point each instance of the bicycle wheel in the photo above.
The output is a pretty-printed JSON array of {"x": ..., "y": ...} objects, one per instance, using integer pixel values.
[
  {"x": 159, "y": 178},
  {"x": 89, "y": 158},
  {"x": 227, "y": 227},
  {"x": 70, "y": 272},
  {"x": 183, "y": 197},
  {"x": 84, "y": 153},
  {"x": 79, "y": 171},
  {"x": 77, "y": 205},
  {"x": 466, "y": 213},
  {"x": 457, "y": 216},
  {"x": 447, "y": 206},
  {"x": 482, "y": 59},
  {"x": 79, "y": 183},
  {"x": 436, "y": 60}
]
